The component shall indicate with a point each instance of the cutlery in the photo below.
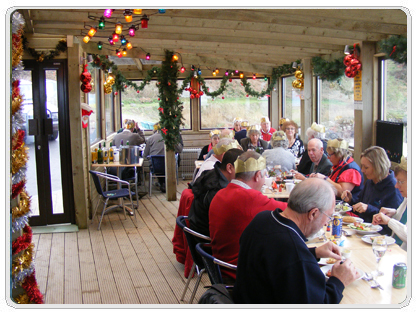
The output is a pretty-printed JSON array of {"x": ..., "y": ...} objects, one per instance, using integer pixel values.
[{"x": 373, "y": 283}]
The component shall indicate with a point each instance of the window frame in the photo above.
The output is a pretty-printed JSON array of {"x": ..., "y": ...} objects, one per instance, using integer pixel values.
[{"x": 97, "y": 112}]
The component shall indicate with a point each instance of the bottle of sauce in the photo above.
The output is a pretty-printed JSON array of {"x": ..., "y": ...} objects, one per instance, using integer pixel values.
[
  {"x": 99, "y": 154},
  {"x": 94, "y": 156},
  {"x": 111, "y": 154}
]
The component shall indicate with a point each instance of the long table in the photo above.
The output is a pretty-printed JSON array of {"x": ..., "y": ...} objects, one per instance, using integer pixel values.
[{"x": 360, "y": 292}]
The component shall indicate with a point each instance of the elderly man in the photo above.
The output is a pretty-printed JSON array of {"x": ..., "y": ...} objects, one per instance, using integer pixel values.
[
  {"x": 222, "y": 146},
  {"x": 275, "y": 265},
  {"x": 128, "y": 135},
  {"x": 205, "y": 188},
  {"x": 320, "y": 163},
  {"x": 266, "y": 131},
  {"x": 233, "y": 207},
  {"x": 243, "y": 132},
  {"x": 314, "y": 131}
]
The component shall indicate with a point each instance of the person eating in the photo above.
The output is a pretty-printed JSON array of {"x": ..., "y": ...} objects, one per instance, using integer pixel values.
[
  {"x": 253, "y": 141},
  {"x": 279, "y": 155},
  {"x": 379, "y": 190},
  {"x": 396, "y": 219},
  {"x": 295, "y": 144}
]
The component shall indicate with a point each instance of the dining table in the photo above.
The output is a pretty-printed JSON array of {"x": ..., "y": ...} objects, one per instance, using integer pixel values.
[{"x": 360, "y": 291}]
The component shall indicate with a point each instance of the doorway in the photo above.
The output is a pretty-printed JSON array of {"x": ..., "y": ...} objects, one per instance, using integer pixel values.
[{"x": 45, "y": 112}]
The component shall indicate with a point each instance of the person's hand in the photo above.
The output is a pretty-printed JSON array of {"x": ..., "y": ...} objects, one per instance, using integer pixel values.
[
  {"x": 360, "y": 207},
  {"x": 298, "y": 175},
  {"x": 317, "y": 175},
  {"x": 346, "y": 196},
  {"x": 345, "y": 271},
  {"x": 380, "y": 218},
  {"x": 328, "y": 250},
  {"x": 390, "y": 212}
]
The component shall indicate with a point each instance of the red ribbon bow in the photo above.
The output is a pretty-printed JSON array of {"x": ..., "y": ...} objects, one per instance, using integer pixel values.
[
  {"x": 164, "y": 130},
  {"x": 394, "y": 50}
]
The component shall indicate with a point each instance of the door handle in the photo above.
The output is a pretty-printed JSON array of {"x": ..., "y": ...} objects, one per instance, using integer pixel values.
[{"x": 34, "y": 128}]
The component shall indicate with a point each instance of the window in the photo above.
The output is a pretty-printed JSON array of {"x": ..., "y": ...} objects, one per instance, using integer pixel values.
[
  {"x": 220, "y": 113},
  {"x": 109, "y": 113},
  {"x": 291, "y": 100},
  {"x": 393, "y": 95},
  {"x": 336, "y": 108},
  {"x": 94, "y": 102},
  {"x": 143, "y": 107}
]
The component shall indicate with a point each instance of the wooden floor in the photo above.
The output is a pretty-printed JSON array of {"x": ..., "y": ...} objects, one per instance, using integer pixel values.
[{"x": 120, "y": 264}]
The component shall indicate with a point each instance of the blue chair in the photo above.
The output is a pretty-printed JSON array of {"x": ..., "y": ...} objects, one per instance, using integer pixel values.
[
  {"x": 198, "y": 265},
  {"x": 157, "y": 169},
  {"x": 212, "y": 264},
  {"x": 113, "y": 194}
]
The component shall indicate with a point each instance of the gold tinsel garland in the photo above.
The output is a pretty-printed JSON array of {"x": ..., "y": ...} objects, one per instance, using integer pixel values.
[
  {"x": 19, "y": 158},
  {"x": 23, "y": 207},
  {"x": 16, "y": 104},
  {"x": 17, "y": 48},
  {"x": 22, "y": 299},
  {"x": 23, "y": 261}
]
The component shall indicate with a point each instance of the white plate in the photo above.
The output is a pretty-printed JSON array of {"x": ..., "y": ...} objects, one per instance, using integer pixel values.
[
  {"x": 323, "y": 262},
  {"x": 295, "y": 181},
  {"x": 356, "y": 220},
  {"x": 328, "y": 267},
  {"x": 367, "y": 239},
  {"x": 373, "y": 230},
  {"x": 318, "y": 234},
  {"x": 342, "y": 211}
]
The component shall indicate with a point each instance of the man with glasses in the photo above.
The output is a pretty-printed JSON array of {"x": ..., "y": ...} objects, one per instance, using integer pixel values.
[
  {"x": 233, "y": 207},
  {"x": 274, "y": 263}
]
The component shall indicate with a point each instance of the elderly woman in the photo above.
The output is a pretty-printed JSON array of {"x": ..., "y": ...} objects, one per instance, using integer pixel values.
[
  {"x": 379, "y": 190},
  {"x": 236, "y": 125},
  {"x": 396, "y": 220},
  {"x": 295, "y": 144},
  {"x": 266, "y": 130},
  {"x": 214, "y": 136},
  {"x": 281, "y": 122},
  {"x": 279, "y": 155},
  {"x": 345, "y": 174},
  {"x": 316, "y": 131},
  {"x": 253, "y": 141}
]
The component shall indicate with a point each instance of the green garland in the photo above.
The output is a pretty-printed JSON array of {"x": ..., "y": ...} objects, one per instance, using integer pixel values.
[
  {"x": 326, "y": 70},
  {"x": 41, "y": 56},
  {"x": 395, "y": 48}
]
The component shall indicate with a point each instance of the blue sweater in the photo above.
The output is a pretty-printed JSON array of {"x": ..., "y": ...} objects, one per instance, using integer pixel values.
[{"x": 382, "y": 194}]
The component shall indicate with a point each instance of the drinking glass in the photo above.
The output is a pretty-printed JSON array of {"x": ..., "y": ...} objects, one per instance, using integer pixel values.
[{"x": 379, "y": 249}]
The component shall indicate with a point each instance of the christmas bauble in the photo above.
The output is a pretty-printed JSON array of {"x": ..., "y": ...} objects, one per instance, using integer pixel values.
[
  {"x": 86, "y": 87},
  {"x": 85, "y": 77},
  {"x": 192, "y": 96},
  {"x": 299, "y": 74},
  {"x": 347, "y": 59},
  {"x": 294, "y": 83}
]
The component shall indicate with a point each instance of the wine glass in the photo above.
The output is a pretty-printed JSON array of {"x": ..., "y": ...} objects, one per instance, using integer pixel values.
[{"x": 379, "y": 249}]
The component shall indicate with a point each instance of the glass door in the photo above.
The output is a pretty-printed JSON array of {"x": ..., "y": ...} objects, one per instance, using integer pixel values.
[{"x": 45, "y": 110}]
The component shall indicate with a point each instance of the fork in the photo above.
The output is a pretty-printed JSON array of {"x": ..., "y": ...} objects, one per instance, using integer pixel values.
[{"x": 370, "y": 279}]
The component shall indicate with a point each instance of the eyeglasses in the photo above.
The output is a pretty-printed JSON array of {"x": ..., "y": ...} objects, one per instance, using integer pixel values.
[
  {"x": 400, "y": 182},
  {"x": 291, "y": 129},
  {"x": 330, "y": 218},
  {"x": 329, "y": 155}
]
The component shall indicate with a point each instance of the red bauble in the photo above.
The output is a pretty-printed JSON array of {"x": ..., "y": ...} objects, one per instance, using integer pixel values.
[
  {"x": 230, "y": 80},
  {"x": 197, "y": 96},
  {"x": 247, "y": 95},
  {"x": 115, "y": 93},
  {"x": 194, "y": 91},
  {"x": 347, "y": 59},
  {"x": 138, "y": 91},
  {"x": 222, "y": 98},
  {"x": 86, "y": 87},
  {"x": 201, "y": 93},
  {"x": 192, "y": 96},
  {"x": 85, "y": 77}
]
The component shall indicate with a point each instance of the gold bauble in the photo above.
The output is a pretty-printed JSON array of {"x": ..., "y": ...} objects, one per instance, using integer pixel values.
[
  {"x": 294, "y": 83},
  {"x": 299, "y": 74}
]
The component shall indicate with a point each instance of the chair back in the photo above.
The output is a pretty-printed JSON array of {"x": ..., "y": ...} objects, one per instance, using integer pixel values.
[
  {"x": 212, "y": 268},
  {"x": 97, "y": 183},
  {"x": 192, "y": 242},
  {"x": 158, "y": 164},
  {"x": 216, "y": 294}
]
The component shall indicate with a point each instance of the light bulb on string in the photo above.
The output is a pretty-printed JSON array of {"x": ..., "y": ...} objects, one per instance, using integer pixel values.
[
  {"x": 241, "y": 75},
  {"x": 162, "y": 11},
  {"x": 265, "y": 78},
  {"x": 129, "y": 45},
  {"x": 132, "y": 31},
  {"x": 217, "y": 71},
  {"x": 175, "y": 57},
  {"x": 137, "y": 11},
  {"x": 183, "y": 69},
  {"x": 118, "y": 52},
  {"x": 128, "y": 15},
  {"x": 254, "y": 76},
  {"x": 100, "y": 45},
  {"x": 199, "y": 71},
  {"x": 226, "y": 72},
  {"x": 192, "y": 67},
  {"x": 147, "y": 56},
  {"x": 101, "y": 23},
  {"x": 144, "y": 21},
  {"x": 214, "y": 73},
  {"x": 236, "y": 71},
  {"x": 110, "y": 40},
  {"x": 108, "y": 13},
  {"x": 123, "y": 40},
  {"x": 124, "y": 52},
  {"x": 119, "y": 28},
  {"x": 86, "y": 39},
  {"x": 92, "y": 31},
  {"x": 115, "y": 37}
]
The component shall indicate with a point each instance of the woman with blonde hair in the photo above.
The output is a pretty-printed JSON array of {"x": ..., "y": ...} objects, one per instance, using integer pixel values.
[
  {"x": 345, "y": 174},
  {"x": 295, "y": 144},
  {"x": 279, "y": 155},
  {"x": 379, "y": 190},
  {"x": 214, "y": 137},
  {"x": 253, "y": 141}
]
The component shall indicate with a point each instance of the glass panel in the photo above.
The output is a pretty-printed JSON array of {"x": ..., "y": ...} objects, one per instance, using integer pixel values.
[
  {"x": 27, "y": 113},
  {"x": 395, "y": 96},
  {"x": 54, "y": 150},
  {"x": 94, "y": 102},
  {"x": 291, "y": 100},
  {"x": 336, "y": 108},
  {"x": 143, "y": 107},
  {"x": 221, "y": 111},
  {"x": 109, "y": 113}
]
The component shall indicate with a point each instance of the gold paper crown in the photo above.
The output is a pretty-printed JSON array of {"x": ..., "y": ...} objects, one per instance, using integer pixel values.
[
  {"x": 279, "y": 136},
  {"x": 237, "y": 119},
  {"x": 254, "y": 128},
  {"x": 245, "y": 123},
  {"x": 129, "y": 124},
  {"x": 229, "y": 135},
  {"x": 250, "y": 164},
  {"x": 282, "y": 121},
  {"x": 318, "y": 128},
  {"x": 264, "y": 119},
  {"x": 224, "y": 148},
  {"x": 214, "y": 132},
  {"x": 338, "y": 144},
  {"x": 403, "y": 163},
  {"x": 156, "y": 127}
]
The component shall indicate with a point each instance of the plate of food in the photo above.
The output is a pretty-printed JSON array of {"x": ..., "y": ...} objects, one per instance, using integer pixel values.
[
  {"x": 350, "y": 220},
  {"x": 365, "y": 228},
  {"x": 295, "y": 181},
  {"x": 327, "y": 271},
  {"x": 370, "y": 238},
  {"x": 327, "y": 261},
  {"x": 342, "y": 207}
]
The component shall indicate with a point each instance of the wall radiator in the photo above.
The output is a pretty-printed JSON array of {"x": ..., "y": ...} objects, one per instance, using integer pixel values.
[{"x": 188, "y": 157}]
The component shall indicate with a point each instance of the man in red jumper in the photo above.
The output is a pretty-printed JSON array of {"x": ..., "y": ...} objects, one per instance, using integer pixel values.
[{"x": 233, "y": 207}]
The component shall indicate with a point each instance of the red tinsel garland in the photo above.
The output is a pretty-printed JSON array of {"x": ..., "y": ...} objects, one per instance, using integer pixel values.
[
  {"x": 32, "y": 290},
  {"x": 17, "y": 188},
  {"x": 15, "y": 88},
  {"x": 18, "y": 139},
  {"x": 22, "y": 242}
]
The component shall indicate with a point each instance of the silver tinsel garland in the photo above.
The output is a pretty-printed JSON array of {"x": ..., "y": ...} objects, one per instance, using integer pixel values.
[
  {"x": 17, "y": 22},
  {"x": 19, "y": 223},
  {"x": 20, "y": 277}
]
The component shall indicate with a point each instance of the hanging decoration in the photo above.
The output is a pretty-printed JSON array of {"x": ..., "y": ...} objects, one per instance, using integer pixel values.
[
  {"x": 194, "y": 89},
  {"x": 22, "y": 268},
  {"x": 61, "y": 47},
  {"x": 352, "y": 63},
  {"x": 395, "y": 48},
  {"x": 298, "y": 83},
  {"x": 328, "y": 70},
  {"x": 86, "y": 111},
  {"x": 109, "y": 82},
  {"x": 85, "y": 79}
]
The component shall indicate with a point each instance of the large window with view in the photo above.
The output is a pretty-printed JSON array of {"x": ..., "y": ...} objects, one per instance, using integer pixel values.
[
  {"x": 109, "y": 113},
  {"x": 393, "y": 95},
  {"x": 143, "y": 107},
  {"x": 291, "y": 98},
  {"x": 335, "y": 104},
  {"x": 221, "y": 111},
  {"x": 94, "y": 102}
]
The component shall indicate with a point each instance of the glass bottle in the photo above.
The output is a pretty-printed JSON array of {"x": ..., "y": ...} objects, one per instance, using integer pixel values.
[
  {"x": 105, "y": 154},
  {"x": 99, "y": 154},
  {"x": 94, "y": 156},
  {"x": 111, "y": 154}
]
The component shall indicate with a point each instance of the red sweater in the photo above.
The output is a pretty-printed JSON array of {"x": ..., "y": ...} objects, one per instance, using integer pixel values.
[{"x": 231, "y": 210}]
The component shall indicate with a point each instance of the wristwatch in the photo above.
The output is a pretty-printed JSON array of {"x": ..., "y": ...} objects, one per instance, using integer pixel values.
[{"x": 326, "y": 178}]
